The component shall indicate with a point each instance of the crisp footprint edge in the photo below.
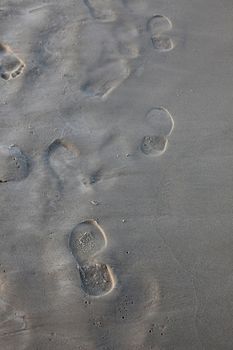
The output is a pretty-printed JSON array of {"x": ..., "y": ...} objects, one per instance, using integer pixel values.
[
  {"x": 161, "y": 120},
  {"x": 97, "y": 279},
  {"x": 86, "y": 240}
]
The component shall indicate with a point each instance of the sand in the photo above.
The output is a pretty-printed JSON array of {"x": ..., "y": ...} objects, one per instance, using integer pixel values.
[{"x": 116, "y": 175}]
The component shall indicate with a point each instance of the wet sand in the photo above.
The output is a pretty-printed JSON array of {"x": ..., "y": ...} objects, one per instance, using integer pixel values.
[{"x": 116, "y": 175}]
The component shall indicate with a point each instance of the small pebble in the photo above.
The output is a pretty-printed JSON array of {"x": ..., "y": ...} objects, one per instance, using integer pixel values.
[{"x": 95, "y": 202}]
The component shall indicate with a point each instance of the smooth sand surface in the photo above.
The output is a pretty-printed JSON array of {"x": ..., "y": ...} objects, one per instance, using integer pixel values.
[{"x": 116, "y": 153}]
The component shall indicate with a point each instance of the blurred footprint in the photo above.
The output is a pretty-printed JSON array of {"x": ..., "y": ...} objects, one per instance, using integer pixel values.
[
  {"x": 157, "y": 26},
  {"x": 101, "y": 10},
  {"x": 11, "y": 321},
  {"x": 11, "y": 66},
  {"x": 102, "y": 80},
  {"x": 86, "y": 241},
  {"x": 162, "y": 123},
  {"x": 60, "y": 156},
  {"x": 126, "y": 35},
  {"x": 14, "y": 164}
]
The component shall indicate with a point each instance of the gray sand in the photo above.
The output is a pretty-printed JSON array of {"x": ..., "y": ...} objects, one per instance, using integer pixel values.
[{"x": 116, "y": 175}]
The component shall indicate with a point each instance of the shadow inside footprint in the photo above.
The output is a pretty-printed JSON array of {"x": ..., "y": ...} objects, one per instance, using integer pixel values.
[
  {"x": 14, "y": 164},
  {"x": 11, "y": 66},
  {"x": 97, "y": 279},
  {"x": 86, "y": 241},
  {"x": 153, "y": 145}
]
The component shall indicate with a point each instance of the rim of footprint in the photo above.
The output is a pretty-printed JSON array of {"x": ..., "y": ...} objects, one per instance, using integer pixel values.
[{"x": 86, "y": 241}]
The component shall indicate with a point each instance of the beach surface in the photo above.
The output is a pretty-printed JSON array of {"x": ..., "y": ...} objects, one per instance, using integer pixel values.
[{"x": 116, "y": 139}]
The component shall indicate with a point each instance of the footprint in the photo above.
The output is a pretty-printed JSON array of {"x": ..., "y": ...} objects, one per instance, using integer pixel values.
[
  {"x": 11, "y": 321},
  {"x": 106, "y": 78},
  {"x": 157, "y": 26},
  {"x": 153, "y": 145},
  {"x": 162, "y": 122},
  {"x": 61, "y": 156},
  {"x": 11, "y": 66},
  {"x": 86, "y": 241},
  {"x": 97, "y": 279},
  {"x": 127, "y": 40},
  {"x": 13, "y": 164},
  {"x": 101, "y": 10}
]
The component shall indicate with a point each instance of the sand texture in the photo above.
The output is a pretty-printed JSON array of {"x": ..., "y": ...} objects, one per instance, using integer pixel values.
[{"x": 116, "y": 175}]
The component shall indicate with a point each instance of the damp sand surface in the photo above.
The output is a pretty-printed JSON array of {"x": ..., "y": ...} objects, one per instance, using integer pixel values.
[{"x": 116, "y": 175}]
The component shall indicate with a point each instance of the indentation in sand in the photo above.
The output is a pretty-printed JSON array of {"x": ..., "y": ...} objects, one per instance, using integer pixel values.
[
  {"x": 153, "y": 145},
  {"x": 126, "y": 36},
  {"x": 86, "y": 241},
  {"x": 11, "y": 321},
  {"x": 60, "y": 156},
  {"x": 102, "y": 80},
  {"x": 11, "y": 66},
  {"x": 13, "y": 164},
  {"x": 162, "y": 122},
  {"x": 97, "y": 279},
  {"x": 157, "y": 26},
  {"x": 101, "y": 10}
]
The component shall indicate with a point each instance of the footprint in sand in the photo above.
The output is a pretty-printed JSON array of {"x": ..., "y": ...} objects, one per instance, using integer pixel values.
[
  {"x": 13, "y": 164},
  {"x": 11, "y": 321},
  {"x": 101, "y": 10},
  {"x": 162, "y": 122},
  {"x": 156, "y": 27},
  {"x": 86, "y": 241},
  {"x": 60, "y": 156},
  {"x": 11, "y": 66},
  {"x": 126, "y": 36},
  {"x": 105, "y": 78}
]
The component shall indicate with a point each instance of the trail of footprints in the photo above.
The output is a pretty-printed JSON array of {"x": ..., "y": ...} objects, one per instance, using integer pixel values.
[
  {"x": 86, "y": 241},
  {"x": 103, "y": 80},
  {"x": 11, "y": 66}
]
